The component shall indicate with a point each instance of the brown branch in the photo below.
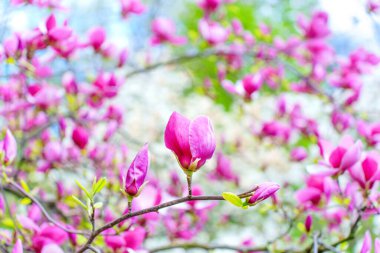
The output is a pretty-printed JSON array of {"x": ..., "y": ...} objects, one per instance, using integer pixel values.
[
  {"x": 209, "y": 248},
  {"x": 178, "y": 60},
  {"x": 150, "y": 210},
  {"x": 42, "y": 208}
]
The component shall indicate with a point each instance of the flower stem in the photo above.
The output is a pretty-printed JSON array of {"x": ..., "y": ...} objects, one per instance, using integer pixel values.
[{"x": 189, "y": 179}]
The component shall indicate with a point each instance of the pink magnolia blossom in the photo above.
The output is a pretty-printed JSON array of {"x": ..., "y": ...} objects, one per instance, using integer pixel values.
[
  {"x": 18, "y": 247},
  {"x": 136, "y": 173},
  {"x": 367, "y": 243},
  {"x": 317, "y": 27},
  {"x": 318, "y": 187},
  {"x": 223, "y": 169},
  {"x": 212, "y": 32},
  {"x": 370, "y": 131},
  {"x": 8, "y": 148},
  {"x": 264, "y": 191},
  {"x": 367, "y": 172},
  {"x": 80, "y": 136},
  {"x": 252, "y": 83},
  {"x": 342, "y": 157},
  {"x": 193, "y": 142},
  {"x": 46, "y": 235},
  {"x": 131, "y": 6},
  {"x": 96, "y": 37},
  {"x": 164, "y": 30},
  {"x": 209, "y": 5},
  {"x": 308, "y": 223},
  {"x": 298, "y": 154},
  {"x": 55, "y": 32},
  {"x": 276, "y": 130},
  {"x": 13, "y": 46}
]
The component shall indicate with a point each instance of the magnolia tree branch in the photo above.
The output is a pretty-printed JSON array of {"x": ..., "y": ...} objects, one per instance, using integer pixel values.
[
  {"x": 126, "y": 216},
  {"x": 177, "y": 60},
  {"x": 43, "y": 210},
  {"x": 209, "y": 248}
]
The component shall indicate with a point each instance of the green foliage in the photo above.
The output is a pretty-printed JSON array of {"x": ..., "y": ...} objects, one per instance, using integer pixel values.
[{"x": 280, "y": 15}]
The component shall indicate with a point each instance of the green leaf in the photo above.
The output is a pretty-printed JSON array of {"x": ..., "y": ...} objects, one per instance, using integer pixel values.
[
  {"x": 83, "y": 189},
  {"x": 98, "y": 205},
  {"x": 79, "y": 202},
  {"x": 98, "y": 186},
  {"x": 25, "y": 201},
  {"x": 24, "y": 186},
  {"x": 232, "y": 198}
]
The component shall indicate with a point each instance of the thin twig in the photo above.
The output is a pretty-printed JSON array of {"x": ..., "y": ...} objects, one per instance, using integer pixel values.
[
  {"x": 42, "y": 208},
  {"x": 150, "y": 210}
]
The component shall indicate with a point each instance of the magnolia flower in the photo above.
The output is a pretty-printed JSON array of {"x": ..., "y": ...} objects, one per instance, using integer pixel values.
[
  {"x": 18, "y": 247},
  {"x": 96, "y": 37},
  {"x": 367, "y": 243},
  {"x": 342, "y": 157},
  {"x": 298, "y": 154},
  {"x": 134, "y": 179},
  {"x": 317, "y": 27},
  {"x": 252, "y": 83},
  {"x": 131, "y": 6},
  {"x": 308, "y": 223},
  {"x": 55, "y": 32},
  {"x": 367, "y": 172},
  {"x": 264, "y": 191},
  {"x": 164, "y": 31},
  {"x": 193, "y": 142},
  {"x": 80, "y": 137},
  {"x": 8, "y": 148},
  {"x": 213, "y": 32},
  {"x": 209, "y": 5},
  {"x": 223, "y": 170}
]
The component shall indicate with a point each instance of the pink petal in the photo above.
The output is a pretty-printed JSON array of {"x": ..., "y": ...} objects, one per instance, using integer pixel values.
[
  {"x": 52, "y": 248},
  {"x": 60, "y": 33},
  {"x": 367, "y": 243},
  {"x": 202, "y": 138},
  {"x": 177, "y": 138},
  {"x": 51, "y": 22},
  {"x": 336, "y": 157},
  {"x": 369, "y": 168},
  {"x": 18, "y": 247},
  {"x": 351, "y": 156}
]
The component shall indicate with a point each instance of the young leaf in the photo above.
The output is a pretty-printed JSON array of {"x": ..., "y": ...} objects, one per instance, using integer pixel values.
[
  {"x": 98, "y": 205},
  {"x": 83, "y": 189},
  {"x": 233, "y": 199},
  {"x": 24, "y": 186},
  {"x": 98, "y": 186},
  {"x": 79, "y": 202}
]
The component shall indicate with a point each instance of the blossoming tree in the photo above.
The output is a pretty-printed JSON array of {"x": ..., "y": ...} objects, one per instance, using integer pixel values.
[{"x": 74, "y": 178}]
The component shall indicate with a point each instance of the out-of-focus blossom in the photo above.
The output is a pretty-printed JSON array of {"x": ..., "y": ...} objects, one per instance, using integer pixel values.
[
  {"x": 367, "y": 243},
  {"x": 18, "y": 247},
  {"x": 317, "y": 27},
  {"x": 8, "y": 148},
  {"x": 164, "y": 30},
  {"x": 252, "y": 83},
  {"x": 367, "y": 172},
  {"x": 308, "y": 223},
  {"x": 213, "y": 32},
  {"x": 371, "y": 132},
  {"x": 80, "y": 136},
  {"x": 298, "y": 154},
  {"x": 223, "y": 169},
  {"x": 193, "y": 142},
  {"x": 96, "y": 37},
  {"x": 342, "y": 157},
  {"x": 131, "y": 6}
]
